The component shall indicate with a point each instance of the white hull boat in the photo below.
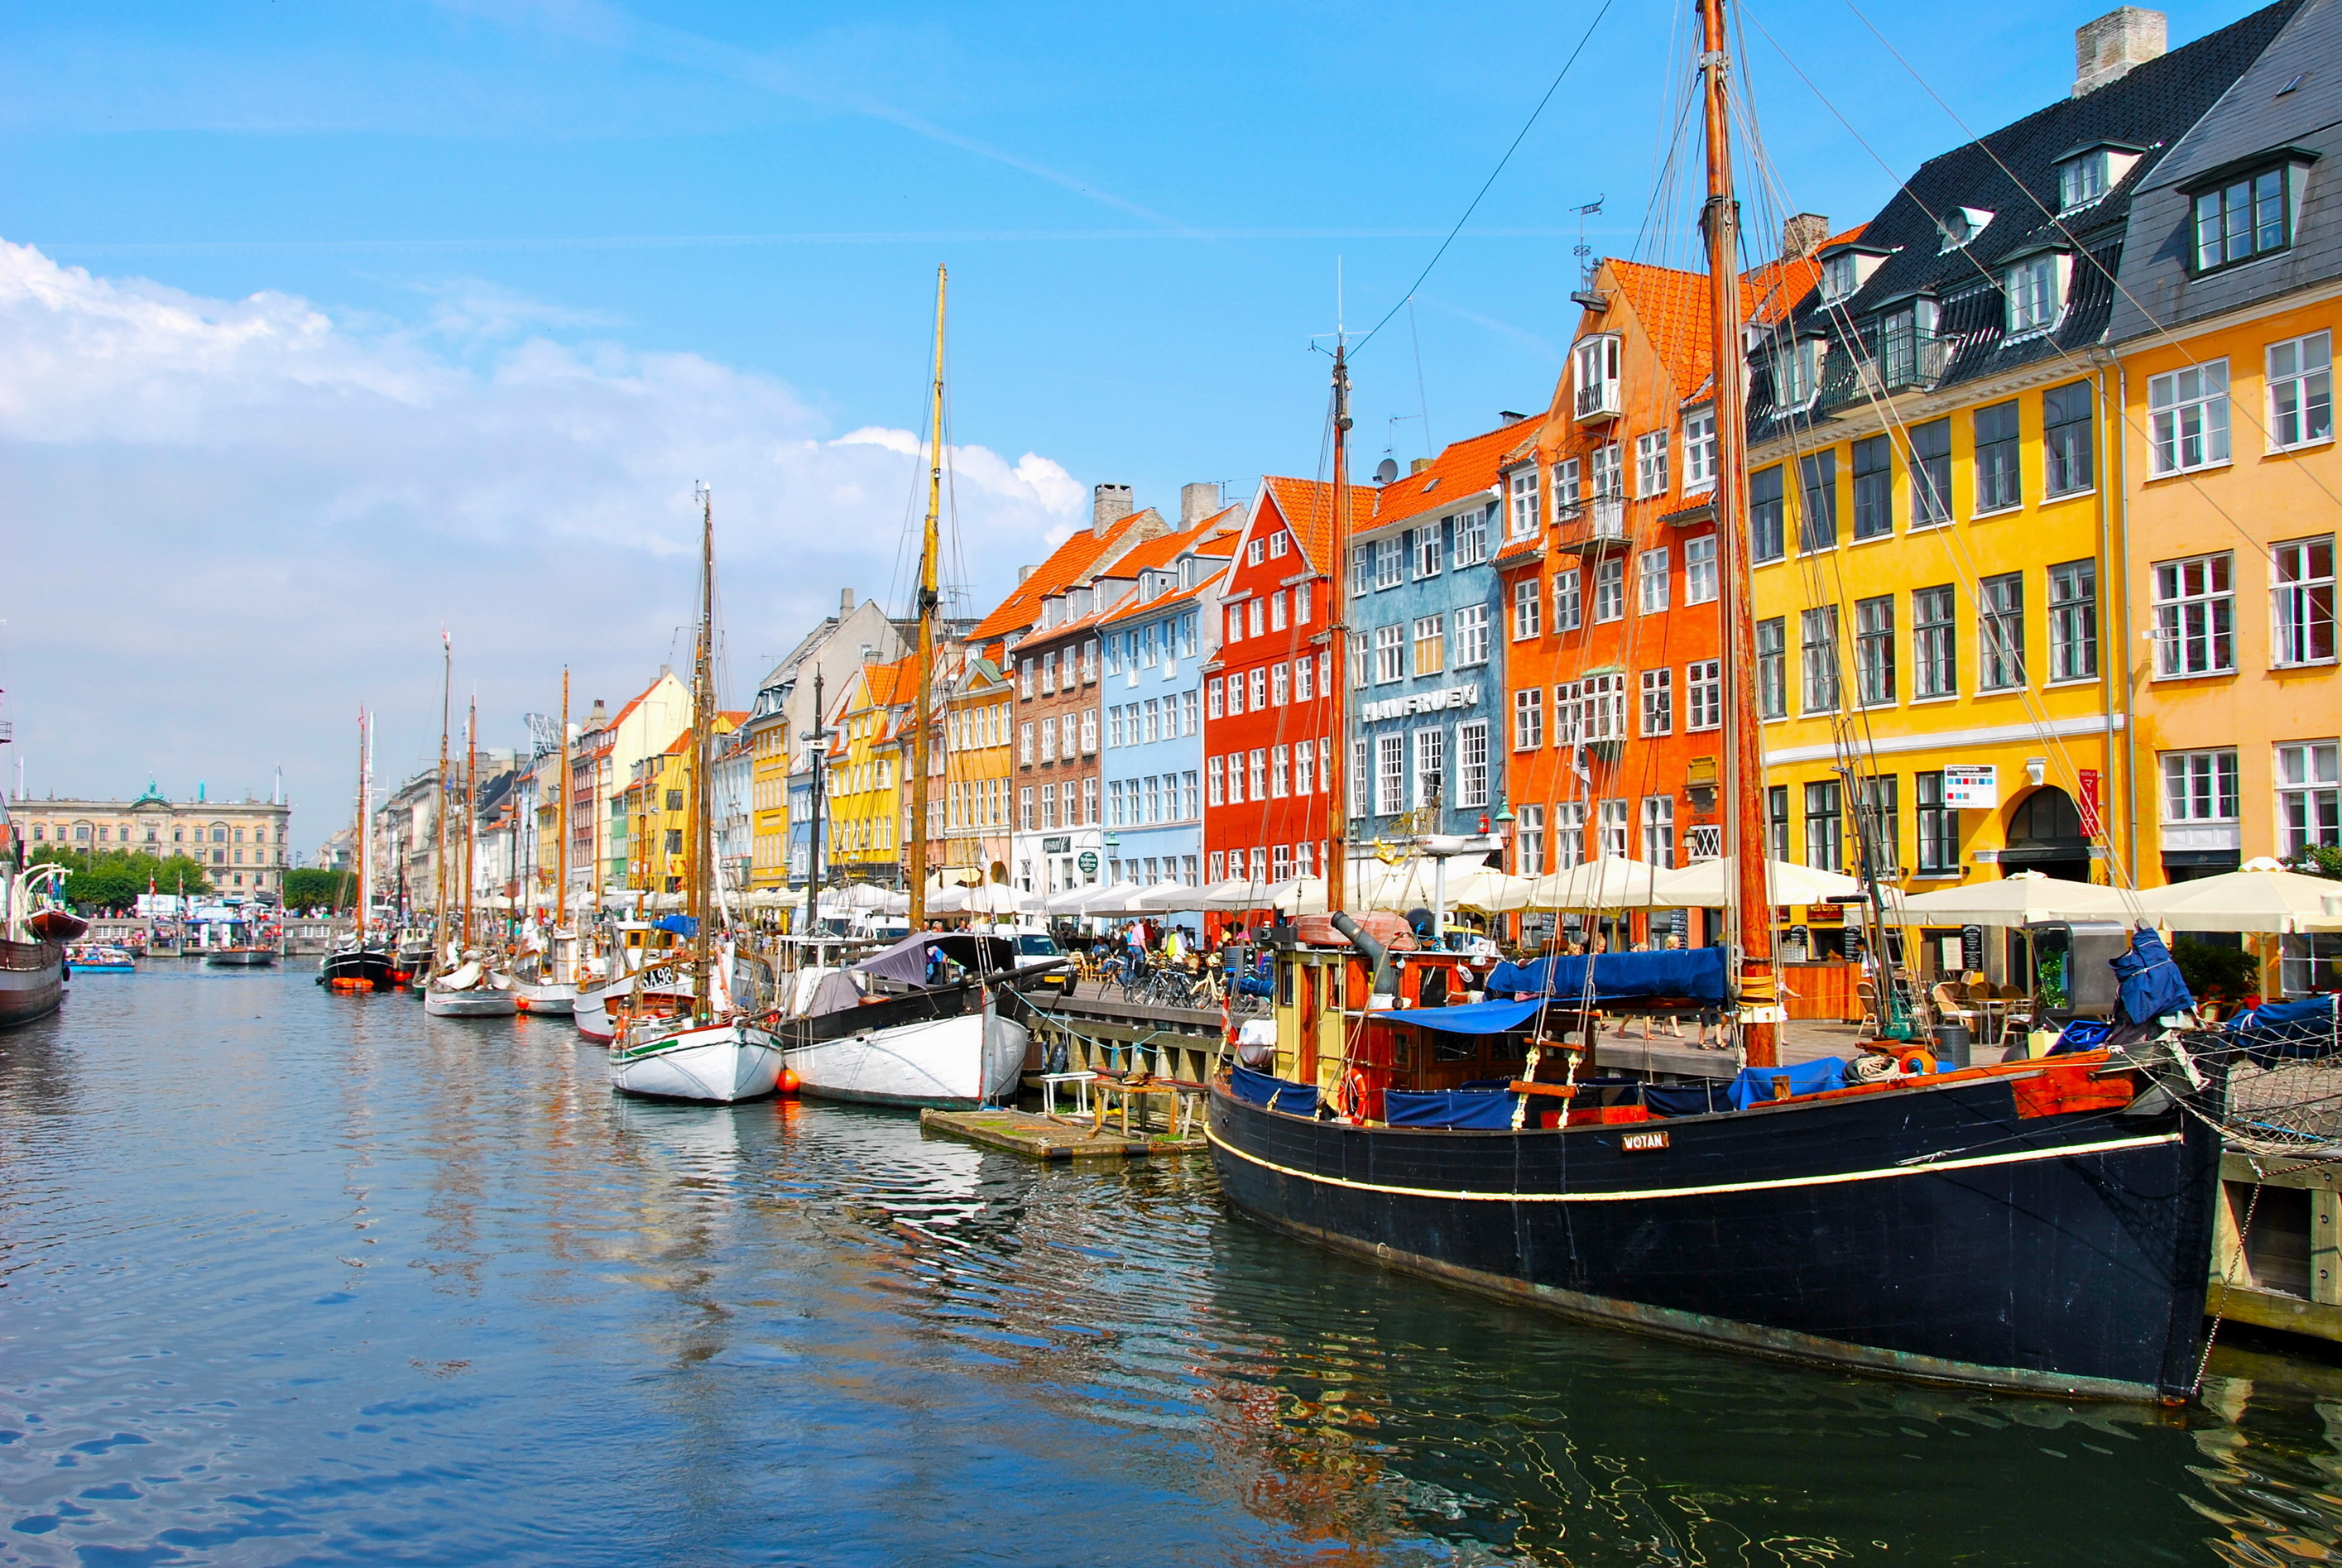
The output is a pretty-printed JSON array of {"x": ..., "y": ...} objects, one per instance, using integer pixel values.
[
  {"x": 719, "y": 1062},
  {"x": 948, "y": 1063},
  {"x": 539, "y": 998},
  {"x": 468, "y": 992},
  {"x": 591, "y": 1016}
]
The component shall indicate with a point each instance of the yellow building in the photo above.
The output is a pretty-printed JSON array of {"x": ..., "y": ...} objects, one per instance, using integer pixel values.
[
  {"x": 969, "y": 795},
  {"x": 658, "y": 813},
  {"x": 865, "y": 791},
  {"x": 2226, "y": 341},
  {"x": 1934, "y": 487}
]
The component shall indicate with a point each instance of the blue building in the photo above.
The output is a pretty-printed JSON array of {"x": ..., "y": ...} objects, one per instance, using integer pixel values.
[
  {"x": 1162, "y": 628},
  {"x": 1428, "y": 630}
]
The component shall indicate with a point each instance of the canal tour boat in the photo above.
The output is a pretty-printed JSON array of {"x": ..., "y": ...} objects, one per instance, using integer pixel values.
[
  {"x": 700, "y": 1046},
  {"x": 100, "y": 958},
  {"x": 2039, "y": 1225}
]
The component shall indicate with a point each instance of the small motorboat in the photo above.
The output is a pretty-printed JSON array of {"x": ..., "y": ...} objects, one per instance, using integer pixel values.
[
  {"x": 469, "y": 991},
  {"x": 356, "y": 966},
  {"x": 241, "y": 956},
  {"x": 99, "y": 958}
]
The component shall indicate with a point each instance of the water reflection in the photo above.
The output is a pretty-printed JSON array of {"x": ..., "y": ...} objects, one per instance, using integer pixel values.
[{"x": 294, "y": 1277}]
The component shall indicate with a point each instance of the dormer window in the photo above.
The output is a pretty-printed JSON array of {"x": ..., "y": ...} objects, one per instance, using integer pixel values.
[
  {"x": 2250, "y": 213},
  {"x": 1908, "y": 353},
  {"x": 1962, "y": 224},
  {"x": 1595, "y": 363},
  {"x": 1838, "y": 279},
  {"x": 1797, "y": 373},
  {"x": 2085, "y": 175},
  {"x": 1186, "y": 571},
  {"x": 2035, "y": 289}
]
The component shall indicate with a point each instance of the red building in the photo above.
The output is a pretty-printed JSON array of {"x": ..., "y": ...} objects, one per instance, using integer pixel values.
[{"x": 1269, "y": 721}]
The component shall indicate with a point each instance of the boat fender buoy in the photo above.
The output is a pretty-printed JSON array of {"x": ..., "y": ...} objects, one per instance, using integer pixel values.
[{"x": 788, "y": 1081}]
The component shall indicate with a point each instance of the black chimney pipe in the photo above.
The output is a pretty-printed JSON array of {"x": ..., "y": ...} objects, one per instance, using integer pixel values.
[{"x": 1385, "y": 973}]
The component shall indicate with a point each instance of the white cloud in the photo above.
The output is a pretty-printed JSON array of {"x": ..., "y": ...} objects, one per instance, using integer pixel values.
[{"x": 230, "y": 521}]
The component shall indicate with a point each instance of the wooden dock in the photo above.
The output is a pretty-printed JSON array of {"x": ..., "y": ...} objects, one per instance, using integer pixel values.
[{"x": 1051, "y": 1137}]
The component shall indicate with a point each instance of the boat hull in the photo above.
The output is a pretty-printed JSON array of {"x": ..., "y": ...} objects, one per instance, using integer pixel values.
[
  {"x": 592, "y": 1017},
  {"x": 952, "y": 1064},
  {"x": 32, "y": 981},
  {"x": 476, "y": 1002},
  {"x": 240, "y": 957},
  {"x": 543, "y": 1000},
  {"x": 719, "y": 1063},
  {"x": 356, "y": 969},
  {"x": 1932, "y": 1234}
]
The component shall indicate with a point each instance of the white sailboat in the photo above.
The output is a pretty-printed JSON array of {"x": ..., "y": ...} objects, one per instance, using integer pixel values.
[
  {"x": 706, "y": 1048},
  {"x": 463, "y": 985}
]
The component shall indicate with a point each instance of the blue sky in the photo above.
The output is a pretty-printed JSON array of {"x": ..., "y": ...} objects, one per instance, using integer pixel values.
[{"x": 524, "y": 271}]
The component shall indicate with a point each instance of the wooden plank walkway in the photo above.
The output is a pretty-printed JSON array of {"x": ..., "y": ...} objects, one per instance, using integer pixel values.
[{"x": 1050, "y": 1138}]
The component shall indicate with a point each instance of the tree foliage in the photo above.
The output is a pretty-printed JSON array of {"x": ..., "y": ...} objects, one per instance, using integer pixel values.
[
  {"x": 310, "y": 888},
  {"x": 2320, "y": 860},
  {"x": 111, "y": 880},
  {"x": 2213, "y": 969}
]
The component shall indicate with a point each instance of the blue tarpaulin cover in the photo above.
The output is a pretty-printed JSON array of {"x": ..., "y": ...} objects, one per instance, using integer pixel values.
[
  {"x": 1277, "y": 1094},
  {"x": 1694, "y": 974},
  {"x": 2150, "y": 982},
  {"x": 2275, "y": 1031},
  {"x": 1755, "y": 1084},
  {"x": 680, "y": 925},
  {"x": 1480, "y": 1109},
  {"x": 1475, "y": 1018},
  {"x": 1686, "y": 1099}
]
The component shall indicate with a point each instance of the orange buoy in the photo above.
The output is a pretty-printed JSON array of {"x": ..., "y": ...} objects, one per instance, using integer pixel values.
[{"x": 788, "y": 1081}]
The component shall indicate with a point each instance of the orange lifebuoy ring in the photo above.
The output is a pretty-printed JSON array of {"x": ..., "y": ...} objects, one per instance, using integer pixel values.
[{"x": 1353, "y": 1098}]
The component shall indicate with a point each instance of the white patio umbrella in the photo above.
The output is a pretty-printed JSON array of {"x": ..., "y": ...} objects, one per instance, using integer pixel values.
[
  {"x": 1709, "y": 884},
  {"x": 1167, "y": 897},
  {"x": 1237, "y": 893},
  {"x": 2267, "y": 899},
  {"x": 1116, "y": 900},
  {"x": 2019, "y": 900},
  {"x": 858, "y": 896},
  {"x": 997, "y": 898},
  {"x": 1070, "y": 902},
  {"x": 1299, "y": 895},
  {"x": 1610, "y": 882},
  {"x": 1488, "y": 890},
  {"x": 947, "y": 901}
]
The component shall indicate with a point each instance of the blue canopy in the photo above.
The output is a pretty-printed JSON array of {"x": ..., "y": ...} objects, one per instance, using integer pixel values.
[
  {"x": 1472, "y": 1018},
  {"x": 1277, "y": 1094},
  {"x": 1755, "y": 1085},
  {"x": 1700, "y": 974},
  {"x": 2151, "y": 985},
  {"x": 2277, "y": 1031},
  {"x": 679, "y": 924},
  {"x": 1481, "y": 1110}
]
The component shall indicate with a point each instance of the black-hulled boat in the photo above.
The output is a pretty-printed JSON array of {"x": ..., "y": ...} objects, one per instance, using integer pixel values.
[{"x": 2039, "y": 1226}]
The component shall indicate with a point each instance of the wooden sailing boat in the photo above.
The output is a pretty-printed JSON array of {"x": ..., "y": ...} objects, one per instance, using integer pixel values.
[
  {"x": 463, "y": 984},
  {"x": 552, "y": 991},
  {"x": 932, "y": 1031},
  {"x": 2038, "y": 1225},
  {"x": 358, "y": 961},
  {"x": 707, "y": 1048}
]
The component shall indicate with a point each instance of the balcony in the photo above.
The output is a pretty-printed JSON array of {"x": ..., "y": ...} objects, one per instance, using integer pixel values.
[
  {"x": 1598, "y": 400},
  {"x": 1905, "y": 363},
  {"x": 1600, "y": 530}
]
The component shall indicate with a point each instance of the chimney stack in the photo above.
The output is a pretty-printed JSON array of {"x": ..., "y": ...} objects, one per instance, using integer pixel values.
[
  {"x": 1417, "y": 464},
  {"x": 1802, "y": 234},
  {"x": 1108, "y": 504},
  {"x": 1024, "y": 572},
  {"x": 2106, "y": 50},
  {"x": 844, "y": 602},
  {"x": 1196, "y": 502}
]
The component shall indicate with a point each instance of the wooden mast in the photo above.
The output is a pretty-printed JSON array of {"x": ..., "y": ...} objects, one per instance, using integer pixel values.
[
  {"x": 360, "y": 908},
  {"x": 700, "y": 857},
  {"x": 471, "y": 817},
  {"x": 439, "y": 824},
  {"x": 561, "y": 845},
  {"x": 1749, "y": 919},
  {"x": 916, "y": 836},
  {"x": 1338, "y": 688}
]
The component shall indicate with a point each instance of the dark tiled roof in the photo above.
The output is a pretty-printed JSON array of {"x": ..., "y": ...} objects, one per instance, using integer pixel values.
[
  {"x": 2257, "y": 115},
  {"x": 2012, "y": 173}
]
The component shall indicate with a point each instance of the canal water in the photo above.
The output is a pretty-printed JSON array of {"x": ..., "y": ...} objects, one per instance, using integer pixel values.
[{"x": 287, "y": 1277}]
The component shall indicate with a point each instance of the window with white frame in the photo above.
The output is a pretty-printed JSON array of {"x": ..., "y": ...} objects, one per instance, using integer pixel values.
[
  {"x": 1390, "y": 775},
  {"x": 2309, "y": 796},
  {"x": 1276, "y": 613},
  {"x": 2187, "y": 418},
  {"x": 1528, "y": 841},
  {"x": 1279, "y": 771},
  {"x": 2035, "y": 293},
  {"x": 1935, "y": 643},
  {"x": 1361, "y": 777},
  {"x": 1659, "y": 831},
  {"x": 1430, "y": 767},
  {"x": 2195, "y": 616},
  {"x": 1704, "y": 694},
  {"x": 1874, "y": 651},
  {"x": 1472, "y": 537},
  {"x": 1703, "y": 841},
  {"x": 1796, "y": 373},
  {"x": 1594, "y": 365},
  {"x": 1471, "y": 635},
  {"x": 1564, "y": 489},
  {"x": 1236, "y": 778},
  {"x": 1362, "y": 668},
  {"x": 1605, "y": 707},
  {"x": 1610, "y": 589},
  {"x": 1529, "y": 718},
  {"x": 1025, "y": 807},
  {"x": 2074, "y": 621},
  {"x": 1257, "y": 617},
  {"x": 1431, "y": 644},
  {"x": 1608, "y": 472},
  {"x": 1276, "y": 686},
  {"x": 1700, "y": 579},
  {"x": 1568, "y": 833},
  {"x": 1259, "y": 773},
  {"x": 1569, "y": 713},
  {"x": 2301, "y": 391},
  {"x": 2000, "y": 632},
  {"x": 1699, "y": 451},
  {"x": 1826, "y": 825},
  {"x": 1569, "y": 609},
  {"x": 1236, "y": 627},
  {"x": 1521, "y": 491},
  {"x": 1659, "y": 702},
  {"x": 1024, "y": 743},
  {"x": 1430, "y": 550},
  {"x": 1280, "y": 862},
  {"x": 1303, "y": 769},
  {"x": 1362, "y": 568},
  {"x": 1390, "y": 653},
  {"x": 1472, "y": 765},
  {"x": 1390, "y": 563},
  {"x": 1818, "y": 639},
  {"x": 1613, "y": 827},
  {"x": 1772, "y": 668},
  {"x": 1651, "y": 464},
  {"x": 1651, "y": 581},
  {"x": 2199, "y": 787},
  {"x": 1528, "y": 607},
  {"x": 2301, "y": 594},
  {"x": 2247, "y": 216},
  {"x": 1304, "y": 679}
]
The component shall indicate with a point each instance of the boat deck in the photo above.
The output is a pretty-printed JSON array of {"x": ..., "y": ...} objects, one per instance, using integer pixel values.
[{"x": 1038, "y": 1137}]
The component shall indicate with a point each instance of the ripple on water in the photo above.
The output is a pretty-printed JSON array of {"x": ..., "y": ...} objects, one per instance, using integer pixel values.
[{"x": 295, "y": 1278}]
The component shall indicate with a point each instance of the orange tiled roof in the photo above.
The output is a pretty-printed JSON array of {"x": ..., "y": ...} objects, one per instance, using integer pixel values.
[
  {"x": 1461, "y": 468},
  {"x": 1671, "y": 305},
  {"x": 1065, "y": 566},
  {"x": 1308, "y": 507}
]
